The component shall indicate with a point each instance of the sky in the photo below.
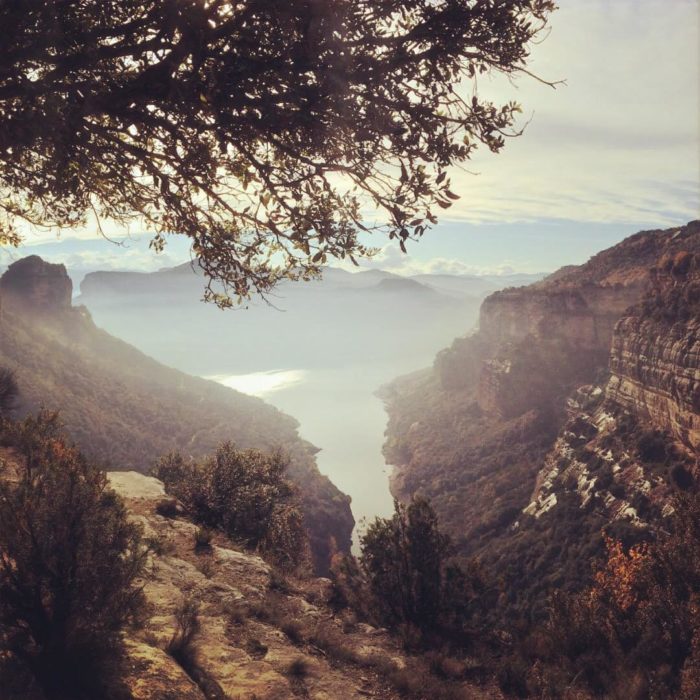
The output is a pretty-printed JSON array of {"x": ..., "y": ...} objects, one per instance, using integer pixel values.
[{"x": 613, "y": 150}]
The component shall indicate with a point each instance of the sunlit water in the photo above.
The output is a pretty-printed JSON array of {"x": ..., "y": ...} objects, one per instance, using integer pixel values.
[
  {"x": 337, "y": 411},
  {"x": 320, "y": 357},
  {"x": 261, "y": 383}
]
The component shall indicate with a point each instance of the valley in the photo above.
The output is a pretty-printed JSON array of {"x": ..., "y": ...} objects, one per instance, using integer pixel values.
[{"x": 319, "y": 350}]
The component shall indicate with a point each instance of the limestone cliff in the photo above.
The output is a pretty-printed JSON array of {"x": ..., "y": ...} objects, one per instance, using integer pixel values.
[
  {"x": 628, "y": 443},
  {"x": 36, "y": 284},
  {"x": 523, "y": 464},
  {"x": 655, "y": 357}
]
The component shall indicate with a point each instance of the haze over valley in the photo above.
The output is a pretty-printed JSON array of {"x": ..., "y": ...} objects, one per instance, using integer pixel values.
[{"x": 318, "y": 350}]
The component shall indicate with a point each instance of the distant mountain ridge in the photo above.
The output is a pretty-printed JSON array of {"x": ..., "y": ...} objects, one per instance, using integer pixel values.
[
  {"x": 172, "y": 280},
  {"x": 126, "y": 409}
]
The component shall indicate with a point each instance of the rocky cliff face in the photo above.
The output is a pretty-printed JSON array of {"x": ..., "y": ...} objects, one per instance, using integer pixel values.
[
  {"x": 628, "y": 444},
  {"x": 125, "y": 409},
  {"x": 36, "y": 284},
  {"x": 519, "y": 432},
  {"x": 655, "y": 356}
]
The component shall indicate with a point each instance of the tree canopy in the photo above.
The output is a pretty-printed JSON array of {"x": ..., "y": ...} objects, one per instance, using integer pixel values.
[{"x": 261, "y": 129}]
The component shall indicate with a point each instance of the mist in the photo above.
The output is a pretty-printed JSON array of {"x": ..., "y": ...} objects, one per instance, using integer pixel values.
[{"x": 319, "y": 351}]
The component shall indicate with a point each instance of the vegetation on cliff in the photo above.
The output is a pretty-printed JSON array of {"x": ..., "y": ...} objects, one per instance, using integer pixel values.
[
  {"x": 244, "y": 494},
  {"x": 525, "y": 469}
]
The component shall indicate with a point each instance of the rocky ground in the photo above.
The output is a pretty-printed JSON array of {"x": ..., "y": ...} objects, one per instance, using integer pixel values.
[{"x": 260, "y": 636}]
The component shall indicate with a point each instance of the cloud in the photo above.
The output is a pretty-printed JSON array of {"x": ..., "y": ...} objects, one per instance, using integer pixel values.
[
  {"x": 85, "y": 254},
  {"x": 391, "y": 259},
  {"x": 619, "y": 142}
]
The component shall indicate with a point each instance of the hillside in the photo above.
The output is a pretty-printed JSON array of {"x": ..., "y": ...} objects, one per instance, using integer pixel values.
[
  {"x": 573, "y": 409},
  {"x": 125, "y": 409}
]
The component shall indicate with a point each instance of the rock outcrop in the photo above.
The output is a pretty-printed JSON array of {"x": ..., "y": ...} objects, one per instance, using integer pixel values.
[
  {"x": 31, "y": 282},
  {"x": 240, "y": 646}
]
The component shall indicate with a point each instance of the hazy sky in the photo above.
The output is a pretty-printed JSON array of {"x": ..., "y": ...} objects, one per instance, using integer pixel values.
[{"x": 613, "y": 151}]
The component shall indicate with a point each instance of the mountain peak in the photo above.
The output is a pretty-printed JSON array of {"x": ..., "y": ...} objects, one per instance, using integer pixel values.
[{"x": 32, "y": 282}]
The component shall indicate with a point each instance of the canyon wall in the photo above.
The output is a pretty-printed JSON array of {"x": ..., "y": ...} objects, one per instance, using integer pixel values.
[
  {"x": 574, "y": 408},
  {"x": 655, "y": 356}
]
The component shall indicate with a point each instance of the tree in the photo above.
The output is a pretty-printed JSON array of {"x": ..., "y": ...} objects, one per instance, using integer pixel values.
[
  {"x": 69, "y": 562},
  {"x": 406, "y": 561},
  {"x": 260, "y": 129},
  {"x": 638, "y": 625}
]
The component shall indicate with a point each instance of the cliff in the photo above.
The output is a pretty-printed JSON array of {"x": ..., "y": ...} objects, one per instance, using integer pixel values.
[
  {"x": 125, "y": 409},
  {"x": 573, "y": 408},
  {"x": 655, "y": 357},
  {"x": 38, "y": 285}
]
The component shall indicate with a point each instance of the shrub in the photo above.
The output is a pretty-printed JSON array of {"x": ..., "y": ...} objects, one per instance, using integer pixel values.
[
  {"x": 69, "y": 562},
  {"x": 652, "y": 446},
  {"x": 416, "y": 587},
  {"x": 202, "y": 538},
  {"x": 244, "y": 494},
  {"x": 327, "y": 638},
  {"x": 681, "y": 477},
  {"x": 255, "y": 648},
  {"x": 298, "y": 668},
  {"x": 512, "y": 677},
  {"x": 167, "y": 507},
  {"x": 182, "y": 645},
  {"x": 294, "y": 630},
  {"x": 404, "y": 557},
  {"x": 415, "y": 681},
  {"x": 634, "y": 633},
  {"x": 9, "y": 391},
  {"x": 182, "y": 648},
  {"x": 238, "y": 613}
]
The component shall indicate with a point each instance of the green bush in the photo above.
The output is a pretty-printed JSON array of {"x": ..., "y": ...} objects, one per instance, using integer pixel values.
[
  {"x": 244, "y": 494},
  {"x": 416, "y": 585}
]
